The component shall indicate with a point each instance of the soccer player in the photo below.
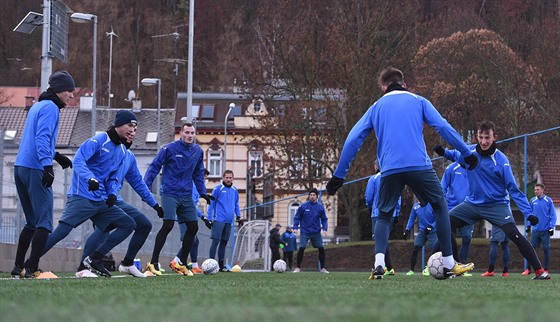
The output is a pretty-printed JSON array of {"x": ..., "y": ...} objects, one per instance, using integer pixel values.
[
  {"x": 489, "y": 185},
  {"x": 290, "y": 240},
  {"x": 455, "y": 188},
  {"x": 33, "y": 171},
  {"x": 221, "y": 214},
  {"x": 398, "y": 119},
  {"x": 498, "y": 237},
  {"x": 183, "y": 167},
  {"x": 371, "y": 197},
  {"x": 543, "y": 208},
  {"x": 426, "y": 232},
  {"x": 311, "y": 218},
  {"x": 94, "y": 189},
  {"x": 129, "y": 171}
]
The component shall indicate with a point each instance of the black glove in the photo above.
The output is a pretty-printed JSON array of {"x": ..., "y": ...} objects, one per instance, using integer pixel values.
[
  {"x": 48, "y": 176},
  {"x": 63, "y": 160},
  {"x": 239, "y": 222},
  {"x": 93, "y": 184},
  {"x": 208, "y": 198},
  {"x": 528, "y": 229},
  {"x": 406, "y": 233},
  {"x": 471, "y": 161},
  {"x": 334, "y": 184},
  {"x": 207, "y": 222},
  {"x": 111, "y": 200},
  {"x": 439, "y": 149},
  {"x": 551, "y": 231},
  {"x": 159, "y": 210},
  {"x": 428, "y": 230},
  {"x": 533, "y": 220}
]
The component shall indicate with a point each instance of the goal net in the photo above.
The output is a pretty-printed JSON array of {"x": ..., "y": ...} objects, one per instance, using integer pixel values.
[{"x": 252, "y": 252}]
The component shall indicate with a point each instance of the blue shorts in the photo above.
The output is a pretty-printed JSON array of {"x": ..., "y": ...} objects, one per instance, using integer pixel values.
[
  {"x": 498, "y": 235},
  {"x": 181, "y": 209},
  {"x": 36, "y": 199},
  {"x": 424, "y": 183},
  {"x": 422, "y": 238},
  {"x": 540, "y": 237},
  {"x": 220, "y": 231},
  {"x": 79, "y": 209},
  {"x": 498, "y": 215},
  {"x": 316, "y": 239}
]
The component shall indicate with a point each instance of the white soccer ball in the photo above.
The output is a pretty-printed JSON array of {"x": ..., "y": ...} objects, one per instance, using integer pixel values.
[
  {"x": 435, "y": 266},
  {"x": 279, "y": 266},
  {"x": 210, "y": 267}
]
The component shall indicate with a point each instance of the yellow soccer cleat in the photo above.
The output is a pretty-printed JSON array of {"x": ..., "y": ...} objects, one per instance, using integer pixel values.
[{"x": 152, "y": 269}]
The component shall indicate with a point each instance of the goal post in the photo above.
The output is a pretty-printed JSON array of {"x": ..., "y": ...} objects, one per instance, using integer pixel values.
[{"x": 252, "y": 251}]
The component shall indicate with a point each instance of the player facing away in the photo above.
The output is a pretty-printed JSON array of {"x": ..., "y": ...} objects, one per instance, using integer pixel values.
[
  {"x": 94, "y": 189},
  {"x": 398, "y": 119},
  {"x": 183, "y": 171},
  {"x": 33, "y": 171},
  {"x": 490, "y": 182},
  {"x": 129, "y": 172},
  {"x": 311, "y": 218},
  {"x": 543, "y": 208},
  {"x": 426, "y": 232},
  {"x": 221, "y": 213}
]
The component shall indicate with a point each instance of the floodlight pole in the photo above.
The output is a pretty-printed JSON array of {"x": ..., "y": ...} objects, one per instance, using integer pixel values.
[
  {"x": 46, "y": 59},
  {"x": 231, "y": 106}
]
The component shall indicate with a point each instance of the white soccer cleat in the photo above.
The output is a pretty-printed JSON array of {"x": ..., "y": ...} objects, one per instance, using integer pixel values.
[
  {"x": 323, "y": 270},
  {"x": 132, "y": 270},
  {"x": 85, "y": 273},
  {"x": 297, "y": 270}
]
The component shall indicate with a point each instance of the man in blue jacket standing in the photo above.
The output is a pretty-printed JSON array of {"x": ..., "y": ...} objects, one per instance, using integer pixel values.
[
  {"x": 34, "y": 173},
  {"x": 491, "y": 183},
  {"x": 311, "y": 218},
  {"x": 426, "y": 232},
  {"x": 221, "y": 214},
  {"x": 543, "y": 208},
  {"x": 183, "y": 171},
  {"x": 398, "y": 119}
]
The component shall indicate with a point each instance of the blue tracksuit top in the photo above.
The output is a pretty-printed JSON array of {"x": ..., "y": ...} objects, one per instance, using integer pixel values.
[
  {"x": 544, "y": 209},
  {"x": 398, "y": 119},
  {"x": 425, "y": 216},
  {"x": 225, "y": 205},
  {"x": 290, "y": 239},
  {"x": 311, "y": 218},
  {"x": 98, "y": 157},
  {"x": 455, "y": 184},
  {"x": 129, "y": 171},
  {"x": 182, "y": 165},
  {"x": 491, "y": 181},
  {"x": 39, "y": 136},
  {"x": 372, "y": 195}
]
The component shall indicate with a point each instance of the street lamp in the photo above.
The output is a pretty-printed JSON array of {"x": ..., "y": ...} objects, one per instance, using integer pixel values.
[
  {"x": 152, "y": 82},
  {"x": 231, "y": 106},
  {"x": 85, "y": 18}
]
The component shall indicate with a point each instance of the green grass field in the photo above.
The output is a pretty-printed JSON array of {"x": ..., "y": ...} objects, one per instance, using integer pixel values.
[{"x": 307, "y": 296}]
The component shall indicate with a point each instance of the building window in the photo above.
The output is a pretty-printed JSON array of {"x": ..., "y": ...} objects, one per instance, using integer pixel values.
[
  {"x": 215, "y": 163},
  {"x": 316, "y": 169},
  {"x": 255, "y": 160},
  {"x": 207, "y": 113},
  {"x": 296, "y": 167},
  {"x": 292, "y": 209}
]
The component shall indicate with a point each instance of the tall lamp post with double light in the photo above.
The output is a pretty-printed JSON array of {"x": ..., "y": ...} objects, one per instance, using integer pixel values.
[
  {"x": 231, "y": 106},
  {"x": 152, "y": 82},
  {"x": 85, "y": 18}
]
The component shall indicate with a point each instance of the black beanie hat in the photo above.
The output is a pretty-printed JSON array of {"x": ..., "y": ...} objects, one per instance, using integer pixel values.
[
  {"x": 61, "y": 81},
  {"x": 314, "y": 190},
  {"x": 124, "y": 117}
]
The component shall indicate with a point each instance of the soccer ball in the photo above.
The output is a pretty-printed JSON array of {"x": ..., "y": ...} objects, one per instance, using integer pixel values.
[
  {"x": 435, "y": 266},
  {"x": 279, "y": 266},
  {"x": 210, "y": 267}
]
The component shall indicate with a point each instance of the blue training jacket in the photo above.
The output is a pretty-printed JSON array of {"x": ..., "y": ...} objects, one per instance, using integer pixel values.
[
  {"x": 182, "y": 165},
  {"x": 455, "y": 184},
  {"x": 544, "y": 209},
  {"x": 290, "y": 239},
  {"x": 225, "y": 205},
  {"x": 398, "y": 118},
  {"x": 311, "y": 218},
  {"x": 39, "y": 136},
  {"x": 425, "y": 216},
  {"x": 98, "y": 157},
  {"x": 372, "y": 195},
  {"x": 129, "y": 171},
  {"x": 491, "y": 180}
]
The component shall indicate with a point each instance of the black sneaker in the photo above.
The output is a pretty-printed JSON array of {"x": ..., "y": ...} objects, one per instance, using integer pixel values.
[
  {"x": 18, "y": 272},
  {"x": 543, "y": 276},
  {"x": 32, "y": 273},
  {"x": 378, "y": 272},
  {"x": 96, "y": 265}
]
